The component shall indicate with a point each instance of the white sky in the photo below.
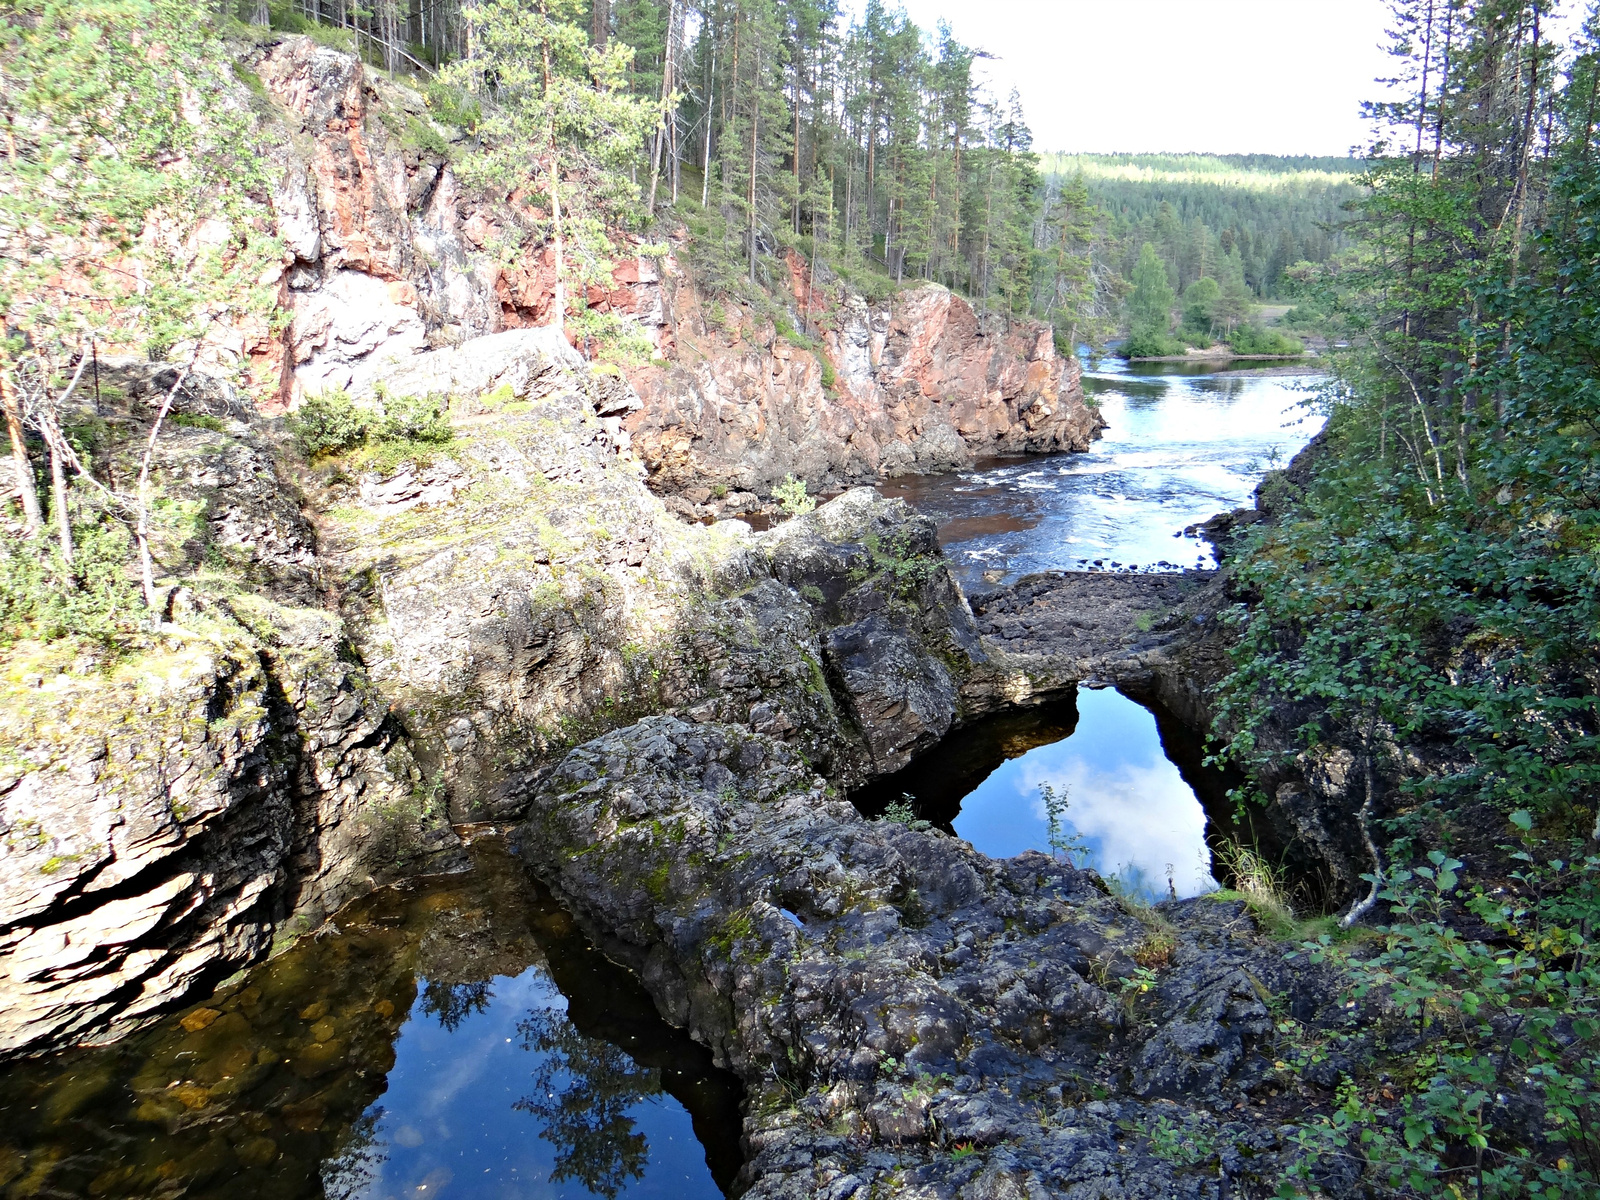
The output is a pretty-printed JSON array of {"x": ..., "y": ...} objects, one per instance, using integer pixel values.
[{"x": 1218, "y": 76}]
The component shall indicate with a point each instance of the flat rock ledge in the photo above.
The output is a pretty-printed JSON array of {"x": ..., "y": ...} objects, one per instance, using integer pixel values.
[{"x": 910, "y": 1017}]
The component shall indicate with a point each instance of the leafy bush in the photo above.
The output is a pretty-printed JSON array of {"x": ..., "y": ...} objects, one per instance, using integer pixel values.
[
  {"x": 331, "y": 422},
  {"x": 198, "y": 421},
  {"x": 1493, "y": 1046},
  {"x": 1253, "y": 339},
  {"x": 421, "y": 135},
  {"x": 95, "y": 598},
  {"x": 792, "y": 496},
  {"x": 830, "y": 377},
  {"x": 1149, "y": 343},
  {"x": 414, "y": 419},
  {"x": 328, "y": 422},
  {"x": 451, "y": 107}
]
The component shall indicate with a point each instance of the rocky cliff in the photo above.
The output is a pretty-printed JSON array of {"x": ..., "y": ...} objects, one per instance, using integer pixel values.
[
  {"x": 919, "y": 384},
  {"x": 170, "y": 804},
  {"x": 354, "y": 654},
  {"x": 388, "y": 256}
]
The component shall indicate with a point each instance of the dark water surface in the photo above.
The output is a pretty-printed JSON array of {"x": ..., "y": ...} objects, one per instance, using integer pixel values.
[
  {"x": 1182, "y": 444},
  {"x": 455, "y": 1038}
]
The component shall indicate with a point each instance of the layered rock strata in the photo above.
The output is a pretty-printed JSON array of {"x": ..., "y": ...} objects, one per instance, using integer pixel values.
[{"x": 167, "y": 810}]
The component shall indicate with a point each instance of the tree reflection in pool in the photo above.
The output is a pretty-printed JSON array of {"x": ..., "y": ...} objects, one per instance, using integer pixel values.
[{"x": 410, "y": 1051}]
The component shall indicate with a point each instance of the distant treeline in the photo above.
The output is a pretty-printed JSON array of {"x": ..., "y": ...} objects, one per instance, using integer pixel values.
[{"x": 1196, "y": 208}]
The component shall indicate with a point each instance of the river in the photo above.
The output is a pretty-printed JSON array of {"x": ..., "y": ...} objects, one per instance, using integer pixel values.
[{"x": 1182, "y": 443}]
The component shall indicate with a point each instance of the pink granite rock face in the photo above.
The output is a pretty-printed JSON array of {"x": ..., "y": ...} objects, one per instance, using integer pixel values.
[{"x": 921, "y": 385}]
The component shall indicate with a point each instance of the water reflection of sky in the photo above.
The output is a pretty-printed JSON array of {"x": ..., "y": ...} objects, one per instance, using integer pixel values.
[
  {"x": 1125, "y": 800},
  {"x": 495, "y": 1094},
  {"x": 1179, "y": 448}
]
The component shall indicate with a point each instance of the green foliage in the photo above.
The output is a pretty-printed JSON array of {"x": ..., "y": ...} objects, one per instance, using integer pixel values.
[
  {"x": 1200, "y": 301},
  {"x": 1427, "y": 604},
  {"x": 197, "y": 421},
  {"x": 1185, "y": 1141},
  {"x": 96, "y": 598},
  {"x": 793, "y": 497},
  {"x": 1195, "y": 208},
  {"x": 413, "y": 419},
  {"x": 1493, "y": 1045},
  {"x": 328, "y": 422},
  {"x": 553, "y": 105},
  {"x": 106, "y": 135},
  {"x": 451, "y": 106},
  {"x": 421, "y": 135},
  {"x": 400, "y": 427},
  {"x": 1148, "y": 343},
  {"x": 1150, "y": 309},
  {"x": 1253, "y": 339},
  {"x": 902, "y": 811},
  {"x": 1069, "y": 847}
]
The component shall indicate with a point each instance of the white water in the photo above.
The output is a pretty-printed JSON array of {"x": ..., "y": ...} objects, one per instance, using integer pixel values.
[{"x": 1179, "y": 448}]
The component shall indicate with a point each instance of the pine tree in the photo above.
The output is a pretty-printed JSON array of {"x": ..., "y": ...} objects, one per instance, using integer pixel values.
[{"x": 555, "y": 106}]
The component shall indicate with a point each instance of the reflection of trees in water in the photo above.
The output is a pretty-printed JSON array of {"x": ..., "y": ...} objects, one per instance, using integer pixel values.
[
  {"x": 582, "y": 1091},
  {"x": 453, "y": 1003},
  {"x": 351, "y": 1170}
]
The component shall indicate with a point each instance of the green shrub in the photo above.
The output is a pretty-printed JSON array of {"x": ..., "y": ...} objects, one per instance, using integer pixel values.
[
  {"x": 1149, "y": 343},
  {"x": 198, "y": 421},
  {"x": 328, "y": 422},
  {"x": 1253, "y": 339},
  {"x": 414, "y": 419},
  {"x": 792, "y": 496},
  {"x": 96, "y": 598},
  {"x": 1493, "y": 1045},
  {"x": 421, "y": 135},
  {"x": 830, "y": 377},
  {"x": 450, "y": 107}
]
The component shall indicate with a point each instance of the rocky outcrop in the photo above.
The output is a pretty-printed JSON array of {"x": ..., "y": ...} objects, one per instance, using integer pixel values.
[
  {"x": 163, "y": 817},
  {"x": 169, "y": 808},
  {"x": 890, "y": 996},
  {"x": 389, "y": 257},
  {"x": 522, "y": 589},
  {"x": 919, "y": 385}
]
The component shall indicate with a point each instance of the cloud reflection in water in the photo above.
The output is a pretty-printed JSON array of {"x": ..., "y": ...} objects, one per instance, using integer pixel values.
[{"x": 1126, "y": 801}]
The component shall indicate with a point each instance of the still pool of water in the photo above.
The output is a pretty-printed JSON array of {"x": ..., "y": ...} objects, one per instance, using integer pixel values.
[
  {"x": 1181, "y": 445},
  {"x": 455, "y": 1038},
  {"x": 1130, "y": 810}
]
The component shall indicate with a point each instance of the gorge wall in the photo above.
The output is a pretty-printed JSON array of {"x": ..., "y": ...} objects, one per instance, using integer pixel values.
[
  {"x": 391, "y": 256},
  {"x": 353, "y": 657}
]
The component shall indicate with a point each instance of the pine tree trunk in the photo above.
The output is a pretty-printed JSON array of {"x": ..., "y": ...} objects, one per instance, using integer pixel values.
[
  {"x": 755, "y": 126},
  {"x": 32, "y": 518},
  {"x": 58, "y": 501},
  {"x": 559, "y": 302},
  {"x": 600, "y": 23},
  {"x": 666, "y": 92}
]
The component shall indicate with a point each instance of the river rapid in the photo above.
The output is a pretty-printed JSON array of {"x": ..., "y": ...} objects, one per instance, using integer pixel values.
[
  {"x": 1183, "y": 442},
  {"x": 1097, "y": 779}
]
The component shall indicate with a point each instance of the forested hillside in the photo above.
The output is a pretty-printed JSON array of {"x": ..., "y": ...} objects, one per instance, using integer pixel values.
[
  {"x": 1420, "y": 615},
  {"x": 1196, "y": 208}
]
